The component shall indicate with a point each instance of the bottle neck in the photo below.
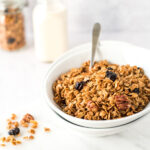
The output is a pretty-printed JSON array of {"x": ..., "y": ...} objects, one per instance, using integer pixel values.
[{"x": 48, "y": 1}]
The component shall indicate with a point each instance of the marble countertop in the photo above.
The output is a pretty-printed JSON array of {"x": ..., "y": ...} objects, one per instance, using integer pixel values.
[
  {"x": 21, "y": 78},
  {"x": 21, "y": 75}
]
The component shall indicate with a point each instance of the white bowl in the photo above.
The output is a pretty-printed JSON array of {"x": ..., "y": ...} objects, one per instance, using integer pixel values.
[
  {"x": 90, "y": 132},
  {"x": 115, "y": 52}
]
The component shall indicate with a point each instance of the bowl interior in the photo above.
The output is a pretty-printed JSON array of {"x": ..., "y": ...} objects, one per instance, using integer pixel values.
[{"x": 115, "y": 52}]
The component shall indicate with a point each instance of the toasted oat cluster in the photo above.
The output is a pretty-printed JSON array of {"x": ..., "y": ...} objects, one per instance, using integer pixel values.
[{"x": 107, "y": 91}]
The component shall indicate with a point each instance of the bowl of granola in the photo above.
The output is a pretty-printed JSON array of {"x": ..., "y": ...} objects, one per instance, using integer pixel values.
[{"x": 114, "y": 92}]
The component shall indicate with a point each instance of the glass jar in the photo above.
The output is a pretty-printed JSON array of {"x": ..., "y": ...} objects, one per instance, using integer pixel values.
[{"x": 12, "y": 33}]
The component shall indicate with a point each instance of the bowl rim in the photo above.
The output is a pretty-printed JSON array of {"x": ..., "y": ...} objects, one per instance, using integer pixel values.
[{"x": 75, "y": 51}]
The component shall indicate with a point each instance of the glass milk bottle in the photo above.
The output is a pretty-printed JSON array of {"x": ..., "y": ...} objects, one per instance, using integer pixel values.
[{"x": 50, "y": 29}]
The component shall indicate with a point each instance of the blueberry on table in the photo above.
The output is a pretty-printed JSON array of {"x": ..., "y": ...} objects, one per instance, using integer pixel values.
[
  {"x": 14, "y": 131},
  {"x": 10, "y": 40},
  {"x": 111, "y": 75},
  {"x": 136, "y": 90},
  {"x": 79, "y": 85}
]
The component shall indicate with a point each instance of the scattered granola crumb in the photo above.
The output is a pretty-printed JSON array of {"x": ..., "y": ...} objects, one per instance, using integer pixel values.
[
  {"x": 13, "y": 116},
  {"x": 9, "y": 121},
  {"x": 18, "y": 142},
  {"x": 47, "y": 129},
  {"x": 13, "y": 143},
  {"x": 31, "y": 137},
  {"x": 10, "y": 138},
  {"x": 3, "y": 145},
  {"x": 24, "y": 124},
  {"x": 34, "y": 124},
  {"x": 7, "y": 140},
  {"x": 32, "y": 131},
  {"x": 25, "y": 137},
  {"x": 16, "y": 124},
  {"x": 9, "y": 127},
  {"x": 18, "y": 135},
  {"x": 3, "y": 139},
  {"x": 14, "y": 129},
  {"x": 33, "y": 121}
]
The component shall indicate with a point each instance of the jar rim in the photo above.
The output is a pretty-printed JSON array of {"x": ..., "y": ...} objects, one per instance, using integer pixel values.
[{"x": 13, "y": 4}]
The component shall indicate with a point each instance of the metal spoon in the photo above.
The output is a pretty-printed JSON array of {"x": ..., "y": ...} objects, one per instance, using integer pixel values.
[{"x": 95, "y": 37}]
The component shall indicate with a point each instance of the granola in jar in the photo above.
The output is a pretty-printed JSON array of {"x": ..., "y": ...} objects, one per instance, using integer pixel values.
[
  {"x": 107, "y": 91},
  {"x": 12, "y": 31}
]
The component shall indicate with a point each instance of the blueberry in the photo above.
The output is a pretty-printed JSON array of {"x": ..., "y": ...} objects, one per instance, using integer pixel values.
[
  {"x": 6, "y": 10},
  {"x": 99, "y": 68},
  {"x": 79, "y": 85},
  {"x": 136, "y": 90},
  {"x": 111, "y": 75},
  {"x": 14, "y": 131},
  {"x": 83, "y": 69},
  {"x": 63, "y": 102},
  {"x": 109, "y": 68},
  {"x": 10, "y": 40}
]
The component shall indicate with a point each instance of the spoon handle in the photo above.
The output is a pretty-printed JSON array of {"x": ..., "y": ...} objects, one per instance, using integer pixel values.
[{"x": 95, "y": 37}]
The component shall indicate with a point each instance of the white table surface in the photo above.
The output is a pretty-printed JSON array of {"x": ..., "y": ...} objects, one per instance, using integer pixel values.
[
  {"x": 21, "y": 75},
  {"x": 20, "y": 92}
]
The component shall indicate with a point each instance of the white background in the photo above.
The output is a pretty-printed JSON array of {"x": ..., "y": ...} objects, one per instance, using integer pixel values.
[
  {"x": 21, "y": 74},
  {"x": 121, "y": 20}
]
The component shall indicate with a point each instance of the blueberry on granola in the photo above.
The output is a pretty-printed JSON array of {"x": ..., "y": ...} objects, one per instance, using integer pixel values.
[
  {"x": 10, "y": 40},
  {"x": 79, "y": 85},
  {"x": 109, "y": 68},
  {"x": 111, "y": 75},
  {"x": 99, "y": 68},
  {"x": 6, "y": 10},
  {"x": 63, "y": 102},
  {"x": 14, "y": 131},
  {"x": 136, "y": 90}
]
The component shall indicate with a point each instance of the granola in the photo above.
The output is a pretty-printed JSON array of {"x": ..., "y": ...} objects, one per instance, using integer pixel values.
[
  {"x": 47, "y": 129},
  {"x": 14, "y": 129},
  {"x": 12, "y": 30},
  {"x": 107, "y": 91}
]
